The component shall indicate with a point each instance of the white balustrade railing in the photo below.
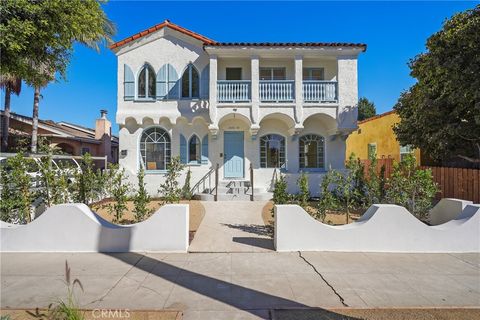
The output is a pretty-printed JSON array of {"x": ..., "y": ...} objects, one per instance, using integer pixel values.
[
  {"x": 233, "y": 91},
  {"x": 319, "y": 91},
  {"x": 277, "y": 90}
]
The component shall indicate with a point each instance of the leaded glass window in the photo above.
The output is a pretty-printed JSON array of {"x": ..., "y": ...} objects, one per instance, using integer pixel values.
[
  {"x": 312, "y": 151},
  {"x": 155, "y": 149},
  {"x": 272, "y": 151}
]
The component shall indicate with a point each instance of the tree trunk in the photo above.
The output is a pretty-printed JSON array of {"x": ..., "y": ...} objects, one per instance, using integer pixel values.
[
  {"x": 6, "y": 119},
  {"x": 36, "y": 99}
]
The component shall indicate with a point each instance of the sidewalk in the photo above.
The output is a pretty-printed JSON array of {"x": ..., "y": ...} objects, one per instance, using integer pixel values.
[
  {"x": 232, "y": 226},
  {"x": 243, "y": 285}
]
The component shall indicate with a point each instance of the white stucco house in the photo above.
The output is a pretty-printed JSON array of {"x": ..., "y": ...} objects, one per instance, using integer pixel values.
[{"x": 248, "y": 109}]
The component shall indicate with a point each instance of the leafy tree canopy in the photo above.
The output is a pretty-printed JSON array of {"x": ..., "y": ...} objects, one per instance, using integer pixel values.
[
  {"x": 366, "y": 109},
  {"x": 441, "y": 113},
  {"x": 38, "y": 36}
]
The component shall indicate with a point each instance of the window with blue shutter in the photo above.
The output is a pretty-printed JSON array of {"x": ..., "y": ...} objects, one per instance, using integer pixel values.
[
  {"x": 183, "y": 149},
  {"x": 172, "y": 82},
  {"x": 167, "y": 82},
  {"x": 162, "y": 82},
  {"x": 205, "y": 149},
  {"x": 204, "y": 82},
  {"x": 128, "y": 83}
]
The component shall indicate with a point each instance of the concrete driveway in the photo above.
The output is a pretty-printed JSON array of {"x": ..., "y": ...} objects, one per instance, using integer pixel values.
[
  {"x": 232, "y": 226},
  {"x": 246, "y": 285}
]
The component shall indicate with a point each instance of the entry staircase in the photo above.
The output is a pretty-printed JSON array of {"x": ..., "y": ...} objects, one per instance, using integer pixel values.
[{"x": 211, "y": 188}]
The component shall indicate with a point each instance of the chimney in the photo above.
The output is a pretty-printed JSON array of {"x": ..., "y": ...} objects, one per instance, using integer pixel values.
[{"x": 103, "y": 132}]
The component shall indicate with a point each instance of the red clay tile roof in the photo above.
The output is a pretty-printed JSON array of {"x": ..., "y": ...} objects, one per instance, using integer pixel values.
[
  {"x": 377, "y": 116},
  {"x": 166, "y": 23},
  {"x": 209, "y": 42},
  {"x": 287, "y": 44}
]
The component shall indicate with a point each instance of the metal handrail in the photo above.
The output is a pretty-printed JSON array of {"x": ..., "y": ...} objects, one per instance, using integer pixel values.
[
  {"x": 202, "y": 182},
  {"x": 251, "y": 182},
  {"x": 216, "y": 182}
]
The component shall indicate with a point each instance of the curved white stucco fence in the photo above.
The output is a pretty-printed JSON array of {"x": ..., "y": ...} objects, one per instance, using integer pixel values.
[
  {"x": 383, "y": 228},
  {"x": 75, "y": 228}
]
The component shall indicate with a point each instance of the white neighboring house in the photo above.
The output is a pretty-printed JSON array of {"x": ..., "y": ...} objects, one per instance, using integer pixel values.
[{"x": 251, "y": 108}]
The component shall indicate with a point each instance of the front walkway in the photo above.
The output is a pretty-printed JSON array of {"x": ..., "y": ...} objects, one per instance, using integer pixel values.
[
  {"x": 245, "y": 285},
  {"x": 232, "y": 226}
]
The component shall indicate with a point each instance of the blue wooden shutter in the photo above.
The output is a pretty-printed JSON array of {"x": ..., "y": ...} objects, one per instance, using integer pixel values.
[
  {"x": 183, "y": 149},
  {"x": 205, "y": 149},
  {"x": 204, "y": 83},
  {"x": 172, "y": 85},
  {"x": 162, "y": 82},
  {"x": 128, "y": 83}
]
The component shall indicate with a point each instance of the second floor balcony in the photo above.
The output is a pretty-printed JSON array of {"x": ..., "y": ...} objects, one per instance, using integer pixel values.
[{"x": 276, "y": 91}]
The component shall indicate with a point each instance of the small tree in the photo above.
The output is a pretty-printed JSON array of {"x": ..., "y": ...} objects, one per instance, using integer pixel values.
[
  {"x": 304, "y": 194},
  {"x": 170, "y": 190},
  {"x": 54, "y": 182},
  {"x": 359, "y": 182},
  {"x": 141, "y": 198},
  {"x": 280, "y": 194},
  {"x": 88, "y": 182},
  {"x": 411, "y": 187},
  {"x": 119, "y": 192},
  {"x": 345, "y": 192},
  {"x": 327, "y": 200},
  {"x": 186, "y": 190}
]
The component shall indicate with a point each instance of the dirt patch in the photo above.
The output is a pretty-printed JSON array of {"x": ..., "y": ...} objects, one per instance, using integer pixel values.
[
  {"x": 197, "y": 212},
  {"x": 335, "y": 218}
]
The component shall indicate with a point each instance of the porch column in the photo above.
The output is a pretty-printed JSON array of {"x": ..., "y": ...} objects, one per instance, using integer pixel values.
[
  {"x": 213, "y": 92},
  {"x": 298, "y": 91},
  {"x": 255, "y": 69}
]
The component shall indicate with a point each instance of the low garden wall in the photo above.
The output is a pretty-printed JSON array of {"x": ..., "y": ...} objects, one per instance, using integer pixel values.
[
  {"x": 75, "y": 228},
  {"x": 383, "y": 228}
]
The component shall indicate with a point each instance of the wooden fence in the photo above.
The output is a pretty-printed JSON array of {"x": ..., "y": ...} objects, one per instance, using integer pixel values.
[{"x": 458, "y": 183}]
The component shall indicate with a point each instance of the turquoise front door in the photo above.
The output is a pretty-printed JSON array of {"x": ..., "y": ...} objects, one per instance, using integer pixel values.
[{"x": 233, "y": 154}]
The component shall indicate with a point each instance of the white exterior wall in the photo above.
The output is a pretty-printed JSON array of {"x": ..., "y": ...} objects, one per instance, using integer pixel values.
[
  {"x": 254, "y": 118},
  {"x": 347, "y": 93}
]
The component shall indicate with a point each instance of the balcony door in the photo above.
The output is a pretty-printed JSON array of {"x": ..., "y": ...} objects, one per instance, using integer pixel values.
[{"x": 233, "y": 74}]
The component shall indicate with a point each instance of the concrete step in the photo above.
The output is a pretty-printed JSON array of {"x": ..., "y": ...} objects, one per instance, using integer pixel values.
[
  {"x": 234, "y": 197},
  {"x": 234, "y": 183}
]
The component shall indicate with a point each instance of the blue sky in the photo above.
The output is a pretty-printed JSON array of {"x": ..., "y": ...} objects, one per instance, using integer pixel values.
[{"x": 393, "y": 31}]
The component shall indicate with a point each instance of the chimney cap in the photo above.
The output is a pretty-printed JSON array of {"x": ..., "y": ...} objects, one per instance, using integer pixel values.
[{"x": 103, "y": 113}]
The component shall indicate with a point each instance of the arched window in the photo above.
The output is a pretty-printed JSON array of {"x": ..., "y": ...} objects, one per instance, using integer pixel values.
[
  {"x": 312, "y": 151},
  {"x": 272, "y": 151},
  {"x": 146, "y": 83},
  {"x": 190, "y": 83},
  {"x": 155, "y": 149},
  {"x": 194, "y": 150}
]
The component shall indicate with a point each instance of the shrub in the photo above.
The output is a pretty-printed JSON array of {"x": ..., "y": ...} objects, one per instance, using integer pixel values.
[
  {"x": 169, "y": 189},
  {"x": 304, "y": 194},
  {"x": 280, "y": 194},
  {"x": 186, "y": 190},
  {"x": 118, "y": 190},
  {"x": 141, "y": 198},
  {"x": 411, "y": 187},
  {"x": 16, "y": 195}
]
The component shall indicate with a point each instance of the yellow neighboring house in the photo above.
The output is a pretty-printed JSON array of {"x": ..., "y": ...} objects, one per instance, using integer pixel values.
[{"x": 375, "y": 135}]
